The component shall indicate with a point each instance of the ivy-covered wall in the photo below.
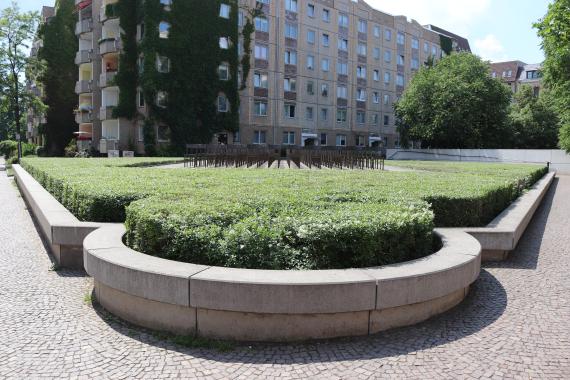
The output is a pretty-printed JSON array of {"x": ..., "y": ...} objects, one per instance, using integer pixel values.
[{"x": 192, "y": 83}]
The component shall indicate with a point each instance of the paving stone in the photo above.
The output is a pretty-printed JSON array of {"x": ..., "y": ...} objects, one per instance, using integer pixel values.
[{"x": 514, "y": 323}]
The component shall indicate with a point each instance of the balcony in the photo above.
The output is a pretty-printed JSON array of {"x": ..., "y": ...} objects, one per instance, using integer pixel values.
[
  {"x": 83, "y": 87},
  {"x": 108, "y": 12},
  {"x": 109, "y": 45},
  {"x": 83, "y": 56},
  {"x": 107, "y": 79},
  {"x": 83, "y": 117},
  {"x": 84, "y": 26},
  {"x": 106, "y": 113}
]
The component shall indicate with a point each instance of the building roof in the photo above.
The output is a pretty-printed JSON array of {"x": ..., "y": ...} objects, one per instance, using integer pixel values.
[
  {"x": 462, "y": 42},
  {"x": 502, "y": 70}
]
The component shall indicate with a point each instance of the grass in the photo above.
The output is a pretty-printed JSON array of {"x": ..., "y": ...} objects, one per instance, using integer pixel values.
[{"x": 283, "y": 219}]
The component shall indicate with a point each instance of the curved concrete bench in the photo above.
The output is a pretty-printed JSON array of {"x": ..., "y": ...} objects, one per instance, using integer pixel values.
[{"x": 266, "y": 305}]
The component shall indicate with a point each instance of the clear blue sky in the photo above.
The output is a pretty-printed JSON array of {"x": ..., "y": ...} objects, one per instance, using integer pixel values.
[{"x": 497, "y": 29}]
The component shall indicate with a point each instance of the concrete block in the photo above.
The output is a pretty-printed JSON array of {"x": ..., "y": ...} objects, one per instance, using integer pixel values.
[
  {"x": 280, "y": 327},
  {"x": 143, "y": 312}
]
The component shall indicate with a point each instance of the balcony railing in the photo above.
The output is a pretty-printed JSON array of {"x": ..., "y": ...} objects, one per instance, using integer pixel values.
[
  {"x": 106, "y": 113},
  {"x": 109, "y": 45},
  {"x": 83, "y": 117},
  {"x": 83, "y": 86},
  {"x": 84, "y": 26},
  {"x": 107, "y": 79},
  {"x": 83, "y": 56}
]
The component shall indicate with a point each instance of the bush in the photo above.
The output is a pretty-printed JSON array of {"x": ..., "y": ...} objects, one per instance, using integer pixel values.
[{"x": 9, "y": 148}]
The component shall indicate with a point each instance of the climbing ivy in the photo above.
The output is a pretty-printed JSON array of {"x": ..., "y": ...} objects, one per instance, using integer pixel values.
[{"x": 446, "y": 44}]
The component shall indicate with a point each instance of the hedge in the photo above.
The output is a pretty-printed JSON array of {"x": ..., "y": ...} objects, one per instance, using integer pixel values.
[{"x": 282, "y": 219}]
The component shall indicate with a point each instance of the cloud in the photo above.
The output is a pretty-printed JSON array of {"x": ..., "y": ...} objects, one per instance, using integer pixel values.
[
  {"x": 455, "y": 15},
  {"x": 490, "y": 48}
]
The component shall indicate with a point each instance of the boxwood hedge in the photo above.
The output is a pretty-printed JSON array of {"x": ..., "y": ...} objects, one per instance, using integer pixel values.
[{"x": 280, "y": 219}]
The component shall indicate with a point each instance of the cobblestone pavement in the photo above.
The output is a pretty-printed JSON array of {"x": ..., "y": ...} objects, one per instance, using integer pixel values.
[{"x": 514, "y": 324}]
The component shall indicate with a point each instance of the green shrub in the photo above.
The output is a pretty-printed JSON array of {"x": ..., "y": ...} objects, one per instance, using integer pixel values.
[{"x": 9, "y": 148}]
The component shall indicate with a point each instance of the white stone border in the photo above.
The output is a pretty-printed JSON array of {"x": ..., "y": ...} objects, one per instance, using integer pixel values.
[{"x": 254, "y": 305}]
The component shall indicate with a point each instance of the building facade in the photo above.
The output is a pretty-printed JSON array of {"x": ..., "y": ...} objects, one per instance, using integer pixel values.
[
  {"x": 517, "y": 73},
  {"x": 322, "y": 72}
]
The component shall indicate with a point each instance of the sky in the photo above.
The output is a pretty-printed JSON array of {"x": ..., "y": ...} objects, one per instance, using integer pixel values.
[{"x": 498, "y": 30}]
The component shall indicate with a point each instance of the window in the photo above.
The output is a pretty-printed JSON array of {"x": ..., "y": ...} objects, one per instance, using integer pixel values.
[
  {"x": 494, "y": 74},
  {"x": 261, "y": 52},
  {"x": 288, "y": 138},
  {"x": 400, "y": 60},
  {"x": 376, "y": 53},
  {"x": 310, "y": 88},
  {"x": 509, "y": 73},
  {"x": 374, "y": 119},
  {"x": 343, "y": 44},
  {"x": 362, "y": 26},
  {"x": 415, "y": 43},
  {"x": 386, "y": 120},
  {"x": 401, "y": 39},
  {"x": 290, "y": 84},
  {"x": 309, "y": 113},
  {"x": 426, "y": 48},
  {"x": 376, "y": 75},
  {"x": 361, "y": 95},
  {"x": 386, "y": 99},
  {"x": 361, "y": 72},
  {"x": 361, "y": 117},
  {"x": 260, "y": 108},
  {"x": 261, "y": 24},
  {"x": 362, "y": 49},
  {"x": 163, "y": 29},
  {"x": 342, "y": 68},
  {"x": 324, "y": 90},
  {"x": 163, "y": 133},
  {"x": 140, "y": 98},
  {"x": 291, "y": 31},
  {"x": 341, "y": 139},
  {"x": 225, "y": 11},
  {"x": 376, "y": 31},
  {"x": 310, "y": 62},
  {"x": 259, "y": 137},
  {"x": 224, "y": 43},
  {"x": 291, "y": 5},
  {"x": 326, "y": 15},
  {"x": 311, "y": 36},
  {"x": 387, "y": 77},
  {"x": 387, "y": 56},
  {"x": 290, "y": 57},
  {"x": 323, "y": 139},
  {"x": 341, "y": 116},
  {"x": 223, "y": 104},
  {"x": 376, "y": 97},
  {"x": 161, "y": 98},
  {"x": 343, "y": 20},
  {"x": 290, "y": 111},
  {"x": 140, "y": 130},
  {"x": 434, "y": 51},
  {"x": 325, "y": 40},
  {"x": 260, "y": 80},
  {"x": 415, "y": 64},
  {"x": 224, "y": 71},
  {"x": 360, "y": 141},
  {"x": 324, "y": 114},
  {"x": 388, "y": 35},
  {"x": 311, "y": 10},
  {"x": 533, "y": 74},
  {"x": 162, "y": 64},
  {"x": 341, "y": 92},
  {"x": 325, "y": 64},
  {"x": 400, "y": 80},
  {"x": 240, "y": 18},
  {"x": 140, "y": 64}
]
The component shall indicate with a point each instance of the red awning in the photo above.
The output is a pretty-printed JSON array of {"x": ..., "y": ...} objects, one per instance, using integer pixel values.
[{"x": 84, "y": 4}]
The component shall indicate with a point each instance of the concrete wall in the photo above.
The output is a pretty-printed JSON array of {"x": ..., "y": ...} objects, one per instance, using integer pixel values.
[{"x": 559, "y": 160}]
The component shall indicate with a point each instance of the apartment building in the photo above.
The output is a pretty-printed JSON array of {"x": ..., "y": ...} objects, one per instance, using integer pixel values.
[
  {"x": 323, "y": 72},
  {"x": 517, "y": 73},
  {"x": 35, "y": 119}
]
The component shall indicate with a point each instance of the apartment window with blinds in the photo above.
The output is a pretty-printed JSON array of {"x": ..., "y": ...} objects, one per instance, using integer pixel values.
[{"x": 261, "y": 24}]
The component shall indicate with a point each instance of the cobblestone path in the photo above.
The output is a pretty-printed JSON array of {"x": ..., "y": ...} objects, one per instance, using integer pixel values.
[{"x": 514, "y": 324}]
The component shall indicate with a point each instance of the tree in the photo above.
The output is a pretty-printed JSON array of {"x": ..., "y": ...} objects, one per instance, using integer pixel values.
[
  {"x": 455, "y": 104},
  {"x": 59, "y": 76},
  {"x": 554, "y": 29},
  {"x": 534, "y": 120},
  {"x": 16, "y": 31}
]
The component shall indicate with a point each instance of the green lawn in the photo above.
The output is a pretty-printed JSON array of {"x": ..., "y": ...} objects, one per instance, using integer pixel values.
[{"x": 282, "y": 218}]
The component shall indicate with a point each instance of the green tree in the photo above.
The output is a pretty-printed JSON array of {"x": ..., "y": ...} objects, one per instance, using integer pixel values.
[
  {"x": 455, "y": 104},
  {"x": 534, "y": 120},
  {"x": 554, "y": 29},
  {"x": 16, "y": 31},
  {"x": 59, "y": 76}
]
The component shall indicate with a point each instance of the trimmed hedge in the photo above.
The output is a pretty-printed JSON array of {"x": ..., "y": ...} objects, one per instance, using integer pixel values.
[{"x": 282, "y": 219}]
